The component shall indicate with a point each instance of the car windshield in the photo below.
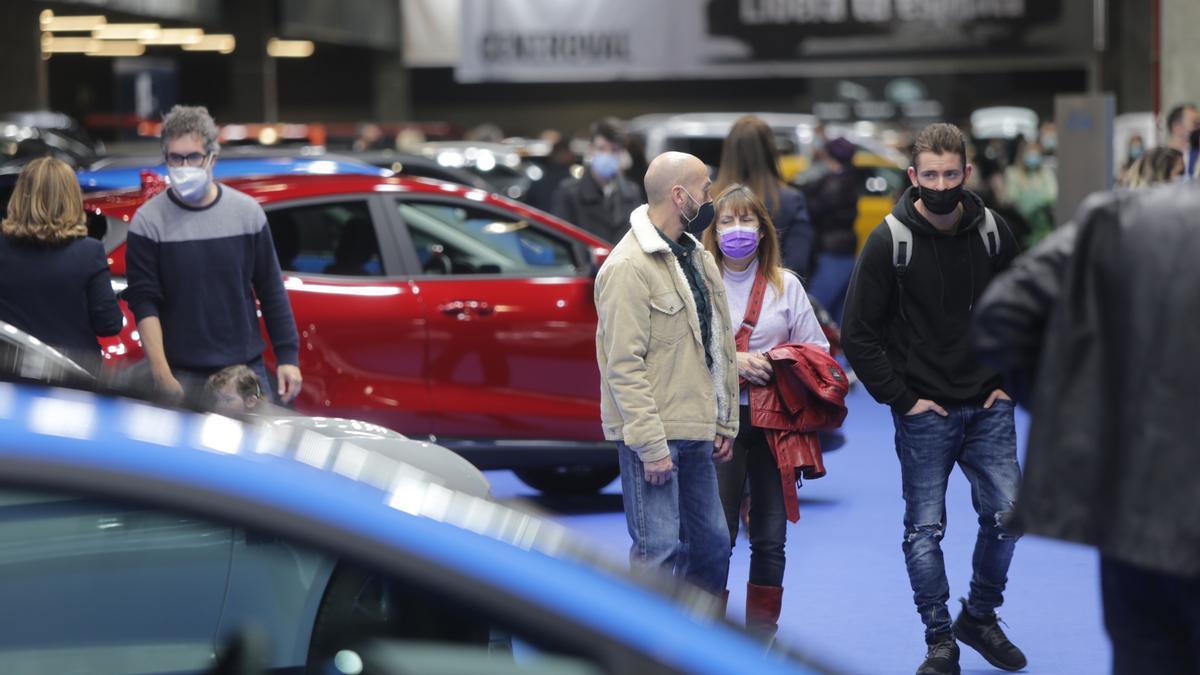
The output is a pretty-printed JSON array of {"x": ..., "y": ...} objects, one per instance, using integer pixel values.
[{"x": 102, "y": 586}]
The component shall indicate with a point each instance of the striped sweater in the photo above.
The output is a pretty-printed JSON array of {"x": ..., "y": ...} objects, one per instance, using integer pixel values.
[{"x": 199, "y": 270}]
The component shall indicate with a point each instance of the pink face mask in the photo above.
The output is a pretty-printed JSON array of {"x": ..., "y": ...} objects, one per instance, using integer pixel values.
[{"x": 738, "y": 242}]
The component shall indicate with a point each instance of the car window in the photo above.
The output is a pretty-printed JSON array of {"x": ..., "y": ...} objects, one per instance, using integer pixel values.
[
  {"x": 459, "y": 239},
  {"x": 96, "y": 585},
  {"x": 327, "y": 238}
]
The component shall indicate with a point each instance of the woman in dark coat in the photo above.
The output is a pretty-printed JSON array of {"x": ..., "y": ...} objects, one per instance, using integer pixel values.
[
  {"x": 749, "y": 157},
  {"x": 55, "y": 283}
]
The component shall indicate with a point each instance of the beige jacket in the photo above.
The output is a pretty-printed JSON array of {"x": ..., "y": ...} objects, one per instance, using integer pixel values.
[{"x": 654, "y": 384}]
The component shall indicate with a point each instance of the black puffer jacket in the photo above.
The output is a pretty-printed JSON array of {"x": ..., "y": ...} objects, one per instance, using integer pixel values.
[{"x": 1108, "y": 317}]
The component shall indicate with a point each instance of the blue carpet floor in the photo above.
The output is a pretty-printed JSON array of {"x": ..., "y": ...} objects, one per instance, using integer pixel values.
[{"x": 847, "y": 596}]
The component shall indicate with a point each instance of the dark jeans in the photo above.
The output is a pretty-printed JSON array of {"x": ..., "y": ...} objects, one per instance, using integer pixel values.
[
  {"x": 753, "y": 459},
  {"x": 984, "y": 443},
  {"x": 678, "y": 525},
  {"x": 1152, "y": 619},
  {"x": 830, "y": 282}
]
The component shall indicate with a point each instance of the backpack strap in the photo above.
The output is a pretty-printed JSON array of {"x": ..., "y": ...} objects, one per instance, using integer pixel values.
[
  {"x": 990, "y": 234},
  {"x": 902, "y": 243}
]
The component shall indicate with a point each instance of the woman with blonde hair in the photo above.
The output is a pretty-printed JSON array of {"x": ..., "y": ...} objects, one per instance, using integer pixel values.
[
  {"x": 1155, "y": 166},
  {"x": 742, "y": 239},
  {"x": 750, "y": 157},
  {"x": 55, "y": 283}
]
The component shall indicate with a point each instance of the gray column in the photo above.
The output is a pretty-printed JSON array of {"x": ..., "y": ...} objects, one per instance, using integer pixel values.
[
  {"x": 1127, "y": 62},
  {"x": 23, "y": 75},
  {"x": 393, "y": 91},
  {"x": 1179, "y": 53},
  {"x": 254, "y": 91}
]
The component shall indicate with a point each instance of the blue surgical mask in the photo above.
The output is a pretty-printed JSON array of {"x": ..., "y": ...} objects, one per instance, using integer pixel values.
[
  {"x": 1033, "y": 161},
  {"x": 606, "y": 164},
  {"x": 190, "y": 182}
]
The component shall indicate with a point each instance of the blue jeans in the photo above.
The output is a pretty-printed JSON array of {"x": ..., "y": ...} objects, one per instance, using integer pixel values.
[
  {"x": 984, "y": 443},
  {"x": 753, "y": 460},
  {"x": 830, "y": 281},
  {"x": 678, "y": 525}
]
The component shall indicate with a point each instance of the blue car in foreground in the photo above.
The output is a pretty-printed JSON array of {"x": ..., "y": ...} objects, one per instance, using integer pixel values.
[{"x": 146, "y": 539}]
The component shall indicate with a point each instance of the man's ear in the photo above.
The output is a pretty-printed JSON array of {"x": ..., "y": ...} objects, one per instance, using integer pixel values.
[
  {"x": 251, "y": 402},
  {"x": 912, "y": 176}
]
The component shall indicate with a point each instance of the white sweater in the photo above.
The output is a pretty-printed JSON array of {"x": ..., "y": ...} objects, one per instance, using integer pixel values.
[{"x": 784, "y": 319}]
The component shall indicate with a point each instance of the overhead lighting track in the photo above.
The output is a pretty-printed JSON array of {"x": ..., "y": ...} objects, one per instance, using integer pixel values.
[{"x": 289, "y": 49}]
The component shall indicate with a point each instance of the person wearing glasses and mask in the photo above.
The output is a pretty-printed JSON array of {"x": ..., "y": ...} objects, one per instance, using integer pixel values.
[
  {"x": 601, "y": 199},
  {"x": 907, "y": 334},
  {"x": 669, "y": 387},
  {"x": 197, "y": 257}
]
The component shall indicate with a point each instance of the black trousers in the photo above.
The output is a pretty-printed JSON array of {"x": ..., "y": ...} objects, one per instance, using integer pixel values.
[
  {"x": 1152, "y": 619},
  {"x": 753, "y": 460}
]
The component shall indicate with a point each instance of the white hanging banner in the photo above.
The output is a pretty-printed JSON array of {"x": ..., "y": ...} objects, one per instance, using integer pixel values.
[
  {"x": 578, "y": 40},
  {"x": 601, "y": 40}
]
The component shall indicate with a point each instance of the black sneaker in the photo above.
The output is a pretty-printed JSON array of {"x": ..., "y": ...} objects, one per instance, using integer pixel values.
[
  {"x": 986, "y": 637},
  {"x": 941, "y": 658}
]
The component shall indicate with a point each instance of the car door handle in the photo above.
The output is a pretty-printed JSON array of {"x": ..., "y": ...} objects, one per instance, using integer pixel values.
[{"x": 464, "y": 309}]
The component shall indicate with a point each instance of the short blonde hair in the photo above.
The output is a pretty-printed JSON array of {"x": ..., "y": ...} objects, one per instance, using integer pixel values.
[{"x": 46, "y": 204}]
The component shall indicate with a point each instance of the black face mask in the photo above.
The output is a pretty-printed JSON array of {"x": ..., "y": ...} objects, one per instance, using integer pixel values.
[
  {"x": 1194, "y": 139},
  {"x": 697, "y": 223},
  {"x": 941, "y": 202}
]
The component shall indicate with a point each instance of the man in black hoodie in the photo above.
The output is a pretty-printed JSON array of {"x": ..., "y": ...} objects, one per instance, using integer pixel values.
[{"x": 906, "y": 333}]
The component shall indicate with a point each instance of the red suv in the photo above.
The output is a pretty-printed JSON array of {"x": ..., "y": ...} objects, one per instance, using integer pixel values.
[{"x": 434, "y": 309}]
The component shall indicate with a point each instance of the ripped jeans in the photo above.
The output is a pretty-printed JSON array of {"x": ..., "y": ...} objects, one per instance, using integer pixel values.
[{"x": 984, "y": 443}]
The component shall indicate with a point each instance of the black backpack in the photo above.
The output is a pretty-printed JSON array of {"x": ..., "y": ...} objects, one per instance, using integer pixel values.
[{"x": 902, "y": 240}]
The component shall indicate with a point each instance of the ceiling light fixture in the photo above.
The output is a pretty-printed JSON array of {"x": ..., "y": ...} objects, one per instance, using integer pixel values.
[
  {"x": 52, "y": 44},
  {"x": 117, "y": 48},
  {"x": 289, "y": 49},
  {"x": 70, "y": 24},
  {"x": 127, "y": 31},
  {"x": 220, "y": 42},
  {"x": 175, "y": 36}
]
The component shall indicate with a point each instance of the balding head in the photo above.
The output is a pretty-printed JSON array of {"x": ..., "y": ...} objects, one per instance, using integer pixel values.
[{"x": 670, "y": 169}]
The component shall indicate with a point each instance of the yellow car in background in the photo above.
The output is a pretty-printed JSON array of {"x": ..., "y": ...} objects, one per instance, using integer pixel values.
[{"x": 883, "y": 181}]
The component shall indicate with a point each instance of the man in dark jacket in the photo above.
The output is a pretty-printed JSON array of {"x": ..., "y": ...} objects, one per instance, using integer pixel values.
[
  {"x": 600, "y": 200},
  {"x": 1109, "y": 311},
  {"x": 907, "y": 335},
  {"x": 833, "y": 208}
]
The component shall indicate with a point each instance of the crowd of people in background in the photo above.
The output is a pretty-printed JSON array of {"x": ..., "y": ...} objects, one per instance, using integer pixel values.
[{"x": 706, "y": 332}]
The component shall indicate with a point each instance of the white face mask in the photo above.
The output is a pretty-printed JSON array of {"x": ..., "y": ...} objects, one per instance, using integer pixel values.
[{"x": 189, "y": 182}]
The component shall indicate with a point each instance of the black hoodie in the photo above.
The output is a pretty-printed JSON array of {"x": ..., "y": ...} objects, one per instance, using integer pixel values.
[{"x": 920, "y": 347}]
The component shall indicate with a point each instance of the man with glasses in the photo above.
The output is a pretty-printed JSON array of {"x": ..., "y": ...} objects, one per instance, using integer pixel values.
[{"x": 198, "y": 256}]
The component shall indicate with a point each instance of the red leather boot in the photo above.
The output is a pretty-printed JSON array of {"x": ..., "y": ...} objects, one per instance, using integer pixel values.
[{"x": 763, "y": 604}]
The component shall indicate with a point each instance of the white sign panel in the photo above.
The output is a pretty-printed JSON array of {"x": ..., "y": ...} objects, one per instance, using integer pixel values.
[{"x": 578, "y": 40}]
